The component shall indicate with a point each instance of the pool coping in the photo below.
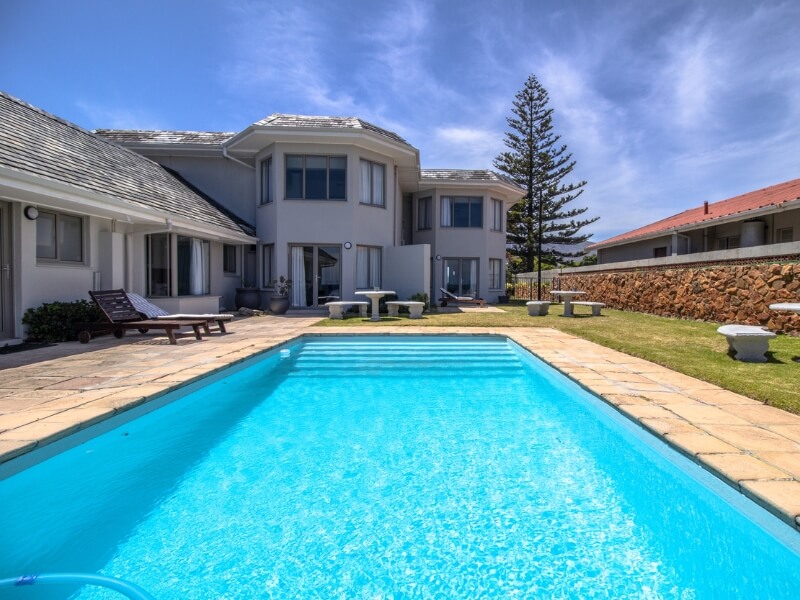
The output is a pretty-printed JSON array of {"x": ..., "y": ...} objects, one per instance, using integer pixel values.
[{"x": 752, "y": 447}]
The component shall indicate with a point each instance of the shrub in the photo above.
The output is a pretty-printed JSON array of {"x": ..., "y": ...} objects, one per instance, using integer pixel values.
[{"x": 55, "y": 321}]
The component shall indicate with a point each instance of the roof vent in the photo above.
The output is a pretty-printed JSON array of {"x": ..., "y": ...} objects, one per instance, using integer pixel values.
[{"x": 705, "y": 207}]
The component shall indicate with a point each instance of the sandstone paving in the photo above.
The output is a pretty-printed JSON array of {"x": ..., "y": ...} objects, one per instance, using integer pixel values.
[{"x": 753, "y": 447}]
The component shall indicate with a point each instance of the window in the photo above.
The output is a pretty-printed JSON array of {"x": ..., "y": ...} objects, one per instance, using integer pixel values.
[
  {"x": 266, "y": 181},
  {"x": 190, "y": 257},
  {"x": 59, "y": 237},
  {"x": 424, "y": 213},
  {"x": 785, "y": 235},
  {"x": 368, "y": 267},
  {"x": 461, "y": 276},
  {"x": 229, "y": 256},
  {"x": 462, "y": 211},
  {"x": 728, "y": 243},
  {"x": 268, "y": 258},
  {"x": 495, "y": 270},
  {"x": 497, "y": 215},
  {"x": 660, "y": 252},
  {"x": 372, "y": 183},
  {"x": 315, "y": 177}
]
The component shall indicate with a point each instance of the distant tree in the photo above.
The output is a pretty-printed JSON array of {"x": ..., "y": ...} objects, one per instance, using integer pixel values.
[{"x": 537, "y": 164}]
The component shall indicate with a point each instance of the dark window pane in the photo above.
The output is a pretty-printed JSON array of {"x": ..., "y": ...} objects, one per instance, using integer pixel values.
[
  {"x": 46, "y": 235},
  {"x": 337, "y": 177},
  {"x": 476, "y": 213},
  {"x": 70, "y": 238},
  {"x": 294, "y": 176},
  {"x": 460, "y": 212}
]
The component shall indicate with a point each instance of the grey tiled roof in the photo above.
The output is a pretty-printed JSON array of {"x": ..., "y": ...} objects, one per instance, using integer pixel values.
[
  {"x": 40, "y": 144},
  {"x": 464, "y": 175},
  {"x": 142, "y": 136},
  {"x": 281, "y": 120}
]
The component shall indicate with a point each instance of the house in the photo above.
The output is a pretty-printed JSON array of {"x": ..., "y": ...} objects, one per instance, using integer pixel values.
[
  {"x": 336, "y": 204},
  {"x": 765, "y": 222},
  {"x": 78, "y": 212}
]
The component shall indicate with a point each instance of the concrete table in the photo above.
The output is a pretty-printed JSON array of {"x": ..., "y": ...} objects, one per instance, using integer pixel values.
[
  {"x": 375, "y": 296},
  {"x": 567, "y": 296},
  {"x": 793, "y": 306}
]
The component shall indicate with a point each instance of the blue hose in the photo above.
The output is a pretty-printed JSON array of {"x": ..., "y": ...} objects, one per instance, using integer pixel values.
[{"x": 118, "y": 585}]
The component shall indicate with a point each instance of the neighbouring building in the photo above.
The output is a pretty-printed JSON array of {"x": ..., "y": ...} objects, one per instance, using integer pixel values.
[
  {"x": 765, "y": 222},
  {"x": 185, "y": 218}
]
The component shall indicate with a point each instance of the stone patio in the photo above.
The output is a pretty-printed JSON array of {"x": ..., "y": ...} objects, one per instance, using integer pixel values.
[{"x": 47, "y": 394}]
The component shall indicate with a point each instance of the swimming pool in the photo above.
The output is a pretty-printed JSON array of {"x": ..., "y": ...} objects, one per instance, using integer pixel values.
[{"x": 391, "y": 467}]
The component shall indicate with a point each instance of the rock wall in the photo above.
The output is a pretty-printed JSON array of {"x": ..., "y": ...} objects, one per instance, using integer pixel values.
[{"x": 719, "y": 293}]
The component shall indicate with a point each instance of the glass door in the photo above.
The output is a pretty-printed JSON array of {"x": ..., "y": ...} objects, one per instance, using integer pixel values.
[
  {"x": 316, "y": 275},
  {"x": 6, "y": 307},
  {"x": 461, "y": 276}
]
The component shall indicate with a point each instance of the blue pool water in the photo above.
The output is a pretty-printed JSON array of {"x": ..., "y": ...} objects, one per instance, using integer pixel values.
[{"x": 390, "y": 468}]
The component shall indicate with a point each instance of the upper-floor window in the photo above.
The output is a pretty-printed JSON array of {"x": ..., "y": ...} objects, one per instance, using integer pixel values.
[
  {"x": 424, "y": 213},
  {"x": 266, "y": 181},
  {"x": 59, "y": 237},
  {"x": 316, "y": 177},
  {"x": 230, "y": 254},
  {"x": 462, "y": 211},
  {"x": 372, "y": 183},
  {"x": 497, "y": 214},
  {"x": 729, "y": 243},
  {"x": 785, "y": 235}
]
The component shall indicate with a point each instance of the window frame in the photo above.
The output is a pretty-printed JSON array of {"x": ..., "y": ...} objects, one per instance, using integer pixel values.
[
  {"x": 57, "y": 241},
  {"x": 425, "y": 213},
  {"x": 370, "y": 271},
  {"x": 367, "y": 196},
  {"x": 268, "y": 264},
  {"x": 173, "y": 268},
  {"x": 498, "y": 264},
  {"x": 226, "y": 248},
  {"x": 779, "y": 234},
  {"x": 497, "y": 215},
  {"x": 305, "y": 173},
  {"x": 448, "y": 216},
  {"x": 266, "y": 182}
]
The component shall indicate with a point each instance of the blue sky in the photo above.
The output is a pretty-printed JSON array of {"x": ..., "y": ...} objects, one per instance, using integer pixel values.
[{"x": 663, "y": 104}]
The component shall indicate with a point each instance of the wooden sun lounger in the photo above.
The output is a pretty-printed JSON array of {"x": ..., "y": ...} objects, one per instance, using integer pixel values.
[
  {"x": 122, "y": 316},
  {"x": 450, "y": 297}
]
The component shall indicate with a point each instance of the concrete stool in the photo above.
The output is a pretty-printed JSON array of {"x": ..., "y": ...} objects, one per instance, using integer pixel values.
[
  {"x": 750, "y": 343},
  {"x": 538, "y": 308}
]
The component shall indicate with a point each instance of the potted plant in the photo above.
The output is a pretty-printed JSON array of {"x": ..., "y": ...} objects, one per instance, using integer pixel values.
[
  {"x": 279, "y": 301},
  {"x": 247, "y": 296}
]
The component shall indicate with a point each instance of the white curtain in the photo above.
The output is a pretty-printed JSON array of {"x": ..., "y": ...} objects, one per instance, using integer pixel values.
[
  {"x": 377, "y": 184},
  {"x": 198, "y": 273},
  {"x": 298, "y": 277},
  {"x": 375, "y": 266},
  {"x": 365, "y": 182},
  {"x": 473, "y": 278},
  {"x": 362, "y": 267},
  {"x": 447, "y": 211}
]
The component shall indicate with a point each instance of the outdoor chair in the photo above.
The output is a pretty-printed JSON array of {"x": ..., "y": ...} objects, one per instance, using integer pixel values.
[
  {"x": 151, "y": 311},
  {"x": 122, "y": 316},
  {"x": 450, "y": 297}
]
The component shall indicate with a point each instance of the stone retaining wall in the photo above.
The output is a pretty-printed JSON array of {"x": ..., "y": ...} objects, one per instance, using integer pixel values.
[{"x": 718, "y": 293}]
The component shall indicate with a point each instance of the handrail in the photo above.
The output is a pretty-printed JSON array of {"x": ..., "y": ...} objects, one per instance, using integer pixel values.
[{"x": 118, "y": 585}]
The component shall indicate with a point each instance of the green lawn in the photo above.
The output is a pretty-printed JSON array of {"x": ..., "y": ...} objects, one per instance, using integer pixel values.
[{"x": 689, "y": 347}]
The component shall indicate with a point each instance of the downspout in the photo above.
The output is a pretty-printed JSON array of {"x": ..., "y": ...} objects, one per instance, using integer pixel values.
[{"x": 236, "y": 160}]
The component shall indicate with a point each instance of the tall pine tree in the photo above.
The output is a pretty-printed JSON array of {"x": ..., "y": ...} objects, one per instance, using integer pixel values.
[{"x": 540, "y": 223}]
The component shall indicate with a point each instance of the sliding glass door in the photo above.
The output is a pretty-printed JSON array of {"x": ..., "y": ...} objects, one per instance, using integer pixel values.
[
  {"x": 316, "y": 274},
  {"x": 461, "y": 276}
]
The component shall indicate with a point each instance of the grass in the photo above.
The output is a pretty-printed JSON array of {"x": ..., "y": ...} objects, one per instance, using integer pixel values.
[{"x": 690, "y": 347}]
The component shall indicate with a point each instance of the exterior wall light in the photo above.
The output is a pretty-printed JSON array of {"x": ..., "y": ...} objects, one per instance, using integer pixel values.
[
  {"x": 347, "y": 245},
  {"x": 31, "y": 212}
]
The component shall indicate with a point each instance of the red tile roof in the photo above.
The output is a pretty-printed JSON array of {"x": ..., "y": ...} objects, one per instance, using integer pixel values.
[{"x": 774, "y": 195}]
